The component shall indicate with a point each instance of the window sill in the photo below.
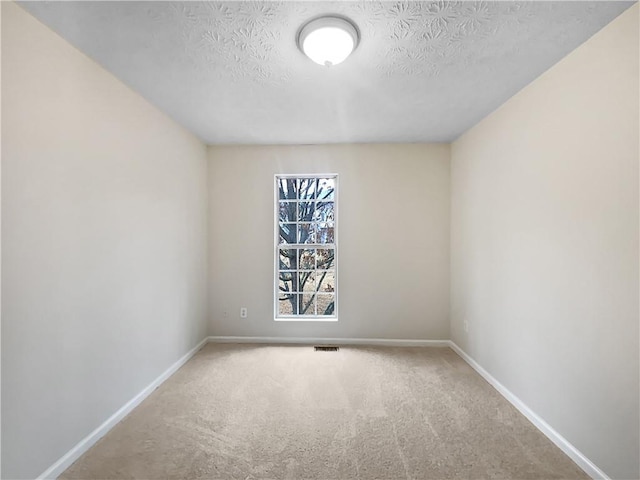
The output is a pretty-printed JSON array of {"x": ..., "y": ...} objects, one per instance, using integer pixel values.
[{"x": 306, "y": 319}]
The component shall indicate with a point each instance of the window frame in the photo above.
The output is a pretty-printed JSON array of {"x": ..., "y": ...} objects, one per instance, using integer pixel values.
[{"x": 277, "y": 246}]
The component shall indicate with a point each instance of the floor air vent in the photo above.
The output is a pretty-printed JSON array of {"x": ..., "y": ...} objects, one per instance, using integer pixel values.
[{"x": 325, "y": 348}]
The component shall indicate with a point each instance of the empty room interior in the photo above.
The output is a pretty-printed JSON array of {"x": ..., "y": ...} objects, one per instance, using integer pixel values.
[{"x": 328, "y": 240}]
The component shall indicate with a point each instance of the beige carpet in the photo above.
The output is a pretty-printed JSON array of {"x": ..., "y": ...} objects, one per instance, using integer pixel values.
[{"x": 249, "y": 412}]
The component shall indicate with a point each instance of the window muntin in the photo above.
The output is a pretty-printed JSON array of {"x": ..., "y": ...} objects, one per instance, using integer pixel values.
[{"x": 305, "y": 247}]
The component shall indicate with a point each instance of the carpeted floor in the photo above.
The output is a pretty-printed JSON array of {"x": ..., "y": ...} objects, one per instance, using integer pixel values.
[{"x": 250, "y": 412}]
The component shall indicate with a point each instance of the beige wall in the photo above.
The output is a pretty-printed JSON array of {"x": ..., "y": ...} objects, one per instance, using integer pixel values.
[
  {"x": 545, "y": 246},
  {"x": 103, "y": 245},
  {"x": 393, "y": 239}
]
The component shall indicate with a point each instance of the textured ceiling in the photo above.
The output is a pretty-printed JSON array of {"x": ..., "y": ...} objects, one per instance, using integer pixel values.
[{"x": 231, "y": 72}]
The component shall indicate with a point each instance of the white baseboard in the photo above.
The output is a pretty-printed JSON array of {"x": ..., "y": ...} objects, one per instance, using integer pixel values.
[
  {"x": 86, "y": 443},
  {"x": 572, "y": 452},
  {"x": 332, "y": 341}
]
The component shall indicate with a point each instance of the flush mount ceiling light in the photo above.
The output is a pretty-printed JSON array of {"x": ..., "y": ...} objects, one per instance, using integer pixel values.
[{"x": 328, "y": 40}]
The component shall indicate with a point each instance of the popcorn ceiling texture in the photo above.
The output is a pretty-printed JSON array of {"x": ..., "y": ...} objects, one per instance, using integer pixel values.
[
  {"x": 231, "y": 71},
  {"x": 250, "y": 412}
]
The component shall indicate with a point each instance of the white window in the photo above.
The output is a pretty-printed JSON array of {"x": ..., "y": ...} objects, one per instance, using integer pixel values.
[{"x": 305, "y": 247}]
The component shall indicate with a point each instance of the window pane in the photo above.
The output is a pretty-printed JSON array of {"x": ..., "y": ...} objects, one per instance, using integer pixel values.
[
  {"x": 288, "y": 259},
  {"x": 308, "y": 306},
  {"x": 306, "y": 233},
  {"x": 287, "y": 305},
  {"x": 284, "y": 279},
  {"x": 326, "y": 258},
  {"x": 326, "y": 189},
  {"x": 287, "y": 211},
  {"x": 323, "y": 212},
  {"x": 295, "y": 284},
  {"x": 316, "y": 233},
  {"x": 326, "y": 304},
  {"x": 307, "y": 188},
  {"x": 287, "y": 283},
  {"x": 288, "y": 233},
  {"x": 287, "y": 188},
  {"x": 306, "y": 211},
  {"x": 308, "y": 282},
  {"x": 307, "y": 260},
  {"x": 326, "y": 281},
  {"x": 324, "y": 233},
  {"x": 313, "y": 236}
]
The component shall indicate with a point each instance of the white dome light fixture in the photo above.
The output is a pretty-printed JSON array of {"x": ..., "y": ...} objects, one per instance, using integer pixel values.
[{"x": 328, "y": 40}]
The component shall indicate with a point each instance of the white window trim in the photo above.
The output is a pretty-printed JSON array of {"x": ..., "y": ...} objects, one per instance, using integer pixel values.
[{"x": 276, "y": 252}]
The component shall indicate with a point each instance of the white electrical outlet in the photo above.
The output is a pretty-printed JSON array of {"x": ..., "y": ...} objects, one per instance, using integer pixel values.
[
  {"x": 243, "y": 312},
  {"x": 466, "y": 326}
]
